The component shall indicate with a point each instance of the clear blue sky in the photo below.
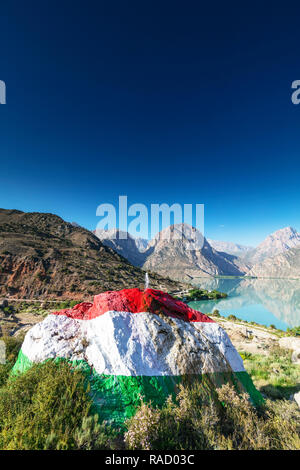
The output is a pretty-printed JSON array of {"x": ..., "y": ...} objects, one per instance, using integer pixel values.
[{"x": 161, "y": 101}]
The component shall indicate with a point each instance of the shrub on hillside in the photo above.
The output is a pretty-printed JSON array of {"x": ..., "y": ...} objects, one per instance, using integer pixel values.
[
  {"x": 12, "y": 347},
  {"x": 216, "y": 313},
  {"x": 232, "y": 318},
  {"x": 200, "y": 421},
  {"x": 294, "y": 331},
  {"x": 48, "y": 407},
  {"x": 275, "y": 375}
]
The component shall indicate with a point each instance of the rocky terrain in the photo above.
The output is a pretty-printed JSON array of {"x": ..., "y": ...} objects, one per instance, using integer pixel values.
[
  {"x": 250, "y": 338},
  {"x": 42, "y": 256}
]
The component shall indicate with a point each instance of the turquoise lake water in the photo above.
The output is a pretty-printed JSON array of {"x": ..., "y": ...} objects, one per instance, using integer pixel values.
[{"x": 265, "y": 301}]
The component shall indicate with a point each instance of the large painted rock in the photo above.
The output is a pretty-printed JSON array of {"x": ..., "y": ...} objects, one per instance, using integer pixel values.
[{"x": 136, "y": 345}]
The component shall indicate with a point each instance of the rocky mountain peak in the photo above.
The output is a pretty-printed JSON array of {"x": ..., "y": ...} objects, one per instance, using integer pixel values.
[{"x": 276, "y": 243}]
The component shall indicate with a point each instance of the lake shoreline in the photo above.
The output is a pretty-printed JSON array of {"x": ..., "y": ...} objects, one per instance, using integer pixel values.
[{"x": 264, "y": 301}]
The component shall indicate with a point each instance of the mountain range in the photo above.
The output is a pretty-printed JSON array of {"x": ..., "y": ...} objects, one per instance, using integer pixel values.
[
  {"x": 41, "y": 255},
  {"x": 123, "y": 243},
  {"x": 283, "y": 265},
  {"x": 230, "y": 247},
  {"x": 171, "y": 254},
  {"x": 278, "y": 242},
  {"x": 167, "y": 254}
]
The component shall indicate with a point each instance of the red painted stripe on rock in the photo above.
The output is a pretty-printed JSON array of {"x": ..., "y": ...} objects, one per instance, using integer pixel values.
[{"x": 135, "y": 301}]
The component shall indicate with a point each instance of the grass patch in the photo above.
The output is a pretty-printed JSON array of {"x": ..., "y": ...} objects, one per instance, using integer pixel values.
[{"x": 274, "y": 375}]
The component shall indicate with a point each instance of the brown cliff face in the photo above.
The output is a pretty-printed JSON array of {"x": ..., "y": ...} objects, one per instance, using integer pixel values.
[{"x": 42, "y": 256}]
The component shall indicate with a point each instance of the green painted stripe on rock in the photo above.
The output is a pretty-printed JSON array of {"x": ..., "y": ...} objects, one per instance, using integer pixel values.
[
  {"x": 249, "y": 387},
  {"x": 22, "y": 364},
  {"x": 116, "y": 398}
]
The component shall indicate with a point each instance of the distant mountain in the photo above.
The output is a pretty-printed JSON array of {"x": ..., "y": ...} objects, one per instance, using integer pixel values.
[
  {"x": 43, "y": 256},
  {"x": 283, "y": 265},
  {"x": 230, "y": 247},
  {"x": 168, "y": 254},
  {"x": 126, "y": 246},
  {"x": 141, "y": 244},
  {"x": 276, "y": 243}
]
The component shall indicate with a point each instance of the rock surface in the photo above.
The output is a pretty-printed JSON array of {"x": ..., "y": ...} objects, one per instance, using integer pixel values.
[
  {"x": 249, "y": 338},
  {"x": 135, "y": 343},
  {"x": 289, "y": 342},
  {"x": 296, "y": 398},
  {"x": 296, "y": 356}
]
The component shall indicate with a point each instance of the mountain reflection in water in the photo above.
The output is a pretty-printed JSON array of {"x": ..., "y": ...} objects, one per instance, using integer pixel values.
[{"x": 265, "y": 301}]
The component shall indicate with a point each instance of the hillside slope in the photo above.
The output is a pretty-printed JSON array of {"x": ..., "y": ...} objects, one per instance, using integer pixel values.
[
  {"x": 283, "y": 265},
  {"x": 127, "y": 247},
  {"x": 42, "y": 256}
]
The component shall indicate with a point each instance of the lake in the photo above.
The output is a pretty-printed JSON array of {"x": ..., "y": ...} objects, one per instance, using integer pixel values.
[{"x": 265, "y": 301}]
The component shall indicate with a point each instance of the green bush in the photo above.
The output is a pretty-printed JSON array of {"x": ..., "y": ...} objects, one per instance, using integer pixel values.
[
  {"x": 48, "y": 407},
  {"x": 204, "y": 294},
  {"x": 4, "y": 372},
  {"x": 92, "y": 435},
  {"x": 9, "y": 310},
  {"x": 294, "y": 331},
  {"x": 12, "y": 348},
  {"x": 68, "y": 304},
  {"x": 216, "y": 313},
  {"x": 232, "y": 317}
]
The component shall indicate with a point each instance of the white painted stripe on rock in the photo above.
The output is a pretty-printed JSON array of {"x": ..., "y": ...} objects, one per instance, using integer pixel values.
[
  {"x": 122, "y": 343},
  {"x": 218, "y": 336}
]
